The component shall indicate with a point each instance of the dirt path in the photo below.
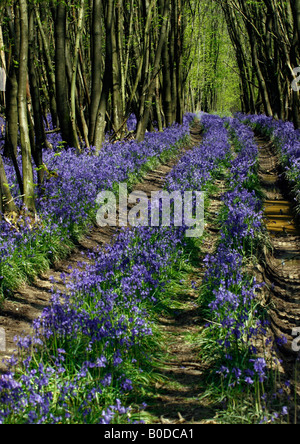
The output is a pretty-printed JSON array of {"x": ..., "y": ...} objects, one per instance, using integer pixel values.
[
  {"x": 282, "y": 263},
  {"x": 177, "y": 400},
  {"x": 20, "y": 308}
]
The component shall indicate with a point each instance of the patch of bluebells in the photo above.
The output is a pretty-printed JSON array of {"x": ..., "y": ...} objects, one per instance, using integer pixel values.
[
  {"x": 88, "y": 339},
  {"x": 132, "y": 122},
  {"x": 231, "y": 293},
  {"x": 103, "y": 309},
  {"x": 68, "y": 198},
  {"x": 79, "y": 180},
  {"x": 244, "y": 163},
  {"x": 200, "y": 165}
]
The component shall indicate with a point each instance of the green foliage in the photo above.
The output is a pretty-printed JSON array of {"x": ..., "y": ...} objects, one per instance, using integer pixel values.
[{"x": 213, "y": 77}]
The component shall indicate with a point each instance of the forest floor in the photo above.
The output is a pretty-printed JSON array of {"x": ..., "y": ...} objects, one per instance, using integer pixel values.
[
  {"x": 21, "y": 307},
  {"x": 175, "y": 398},
  {"x": 178, "y": 395}
]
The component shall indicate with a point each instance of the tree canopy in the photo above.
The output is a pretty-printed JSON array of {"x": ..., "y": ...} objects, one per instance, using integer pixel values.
[{"x": 83, "y": 67}]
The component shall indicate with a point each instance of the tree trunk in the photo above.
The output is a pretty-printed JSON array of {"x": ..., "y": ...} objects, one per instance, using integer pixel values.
[
  {"x": 142, "y": 59},
  {"x": 74, "y": 74},
  {"x": 40, "y": 136},
  {"x": 295, "y": 4},
  {"x": 49, "y": 68},
  {"x": 261, "y": 80},
  {"x": 96, "y": 62},
  {"x": 179, "y": 62},
  {"x": 117, "y": 111},
  {"x": 28, "y": 182},
  {"x": 63, "y": 108},
  {"x": 146, "y": 99},
  {"x": 11, "y": 130},
  {"x": 101, "y": 116},
  {"x": 167, "y": 81}
]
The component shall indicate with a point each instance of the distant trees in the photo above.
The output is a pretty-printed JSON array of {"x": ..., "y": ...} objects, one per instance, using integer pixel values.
[
  {"x": 209, "y": 60},
  {"x": 266, "y": 38}
]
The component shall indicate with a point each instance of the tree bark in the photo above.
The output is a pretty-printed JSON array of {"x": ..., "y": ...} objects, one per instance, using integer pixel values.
[
  {"x": 101, "y": 116},
  {"x": 40, "y": 141},
  {"x": 179, "y": 61},
  {"x": 96, "y": 63},
  {"x": 146, "y": 99},
  {"x": 12, "y": 120},
  {"x": 116, "y": 60},
  {"x": 295, "y": 5},
  {"x": 74, "y": 74},
  {"x": 143, "y": 57},
  {"x": 49, "y": 68},
  {"x": 62, "y": 99},
  {"x": 28, "y": 181},
  {"x": 11, "y": 130},
  {"x": 167, "y": 81}
]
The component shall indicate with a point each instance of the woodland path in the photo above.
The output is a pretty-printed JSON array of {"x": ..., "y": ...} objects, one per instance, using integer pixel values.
[
  {"x": 281, "y": 271},
  {"x": 21, "y": 307},
  {"x": 178, "y": 398}
]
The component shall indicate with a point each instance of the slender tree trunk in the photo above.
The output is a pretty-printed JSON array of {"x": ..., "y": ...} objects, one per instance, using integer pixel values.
[
  {"x": 96, "y": 61},
  {"x": 179, "y": 62},
  {"x": 39, "y": 142},
  {"x": 246, "y": 87},
  {"x": 146, "y": 99},
  {"x": 167, "y": 81},
  {"x": 295, "y": 4},
  {"x": 74, "y": 74},
  {"x": 49, "y": 68},
  {"x": 28, "y": 181},
  {"x": 142, "y": 59},
  {"x": 2, "y": 62},
  {"x": 11, "y": 130},
  {"x": 12, "y": 121},
  {"x": 120, "y": 57},
  {"x": 117, "y": 111},
  {"x": 158, "y": 106},
  {"x": 62, "y": 100},
  {"x": 101, "y": 116},
  {"x": 261, "y": 80}
]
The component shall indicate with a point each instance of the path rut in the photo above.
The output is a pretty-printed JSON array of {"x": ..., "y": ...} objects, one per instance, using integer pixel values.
[
  {"x": 178, "y": 400},
  {"x": 282, "y": 262}
]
